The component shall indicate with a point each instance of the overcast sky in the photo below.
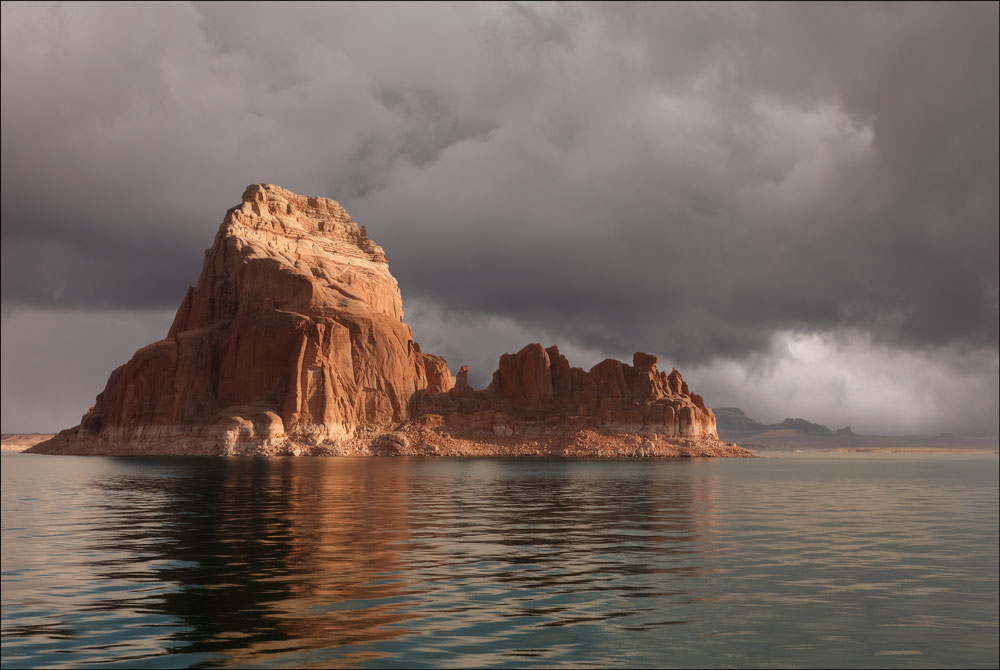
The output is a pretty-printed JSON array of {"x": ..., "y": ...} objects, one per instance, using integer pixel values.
[{"x": 795, "y": 204}]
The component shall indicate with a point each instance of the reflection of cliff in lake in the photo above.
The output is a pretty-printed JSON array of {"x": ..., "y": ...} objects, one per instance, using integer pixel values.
[
  {"x": 310, "y": 559},
  {"x": 265, "y": 555}
]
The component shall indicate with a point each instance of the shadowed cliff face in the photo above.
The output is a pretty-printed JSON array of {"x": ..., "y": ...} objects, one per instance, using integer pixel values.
[{"x": 293, "y": 341}]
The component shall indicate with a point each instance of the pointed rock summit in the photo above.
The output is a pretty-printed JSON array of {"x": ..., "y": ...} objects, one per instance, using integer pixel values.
[{"x": 293, "y": 342}]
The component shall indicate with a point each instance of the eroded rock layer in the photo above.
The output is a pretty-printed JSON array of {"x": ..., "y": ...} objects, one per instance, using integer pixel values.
[{"x": 293, "y": 342}]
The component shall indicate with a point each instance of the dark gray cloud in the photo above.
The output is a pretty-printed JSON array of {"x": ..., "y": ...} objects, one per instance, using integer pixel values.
[{"x": 706, "y": 182}]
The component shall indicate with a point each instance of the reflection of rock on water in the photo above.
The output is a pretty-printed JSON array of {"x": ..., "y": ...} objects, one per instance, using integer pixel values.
[
  {"x": 350, "y": 518},
  {"x": 267, "y": 555},
  {"x": 332, "y": 558}
]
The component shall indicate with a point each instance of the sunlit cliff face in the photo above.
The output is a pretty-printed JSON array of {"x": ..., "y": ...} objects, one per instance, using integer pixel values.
[{"x": 292, "y": 335}]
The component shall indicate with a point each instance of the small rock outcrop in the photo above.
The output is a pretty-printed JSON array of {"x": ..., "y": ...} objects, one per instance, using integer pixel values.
[
  {"x": 536, "y": 390},
  {"x": 293, "y": 342}
]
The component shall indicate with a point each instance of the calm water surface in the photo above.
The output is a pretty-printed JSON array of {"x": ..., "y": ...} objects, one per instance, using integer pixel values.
[{"x": 833, "y": 561}]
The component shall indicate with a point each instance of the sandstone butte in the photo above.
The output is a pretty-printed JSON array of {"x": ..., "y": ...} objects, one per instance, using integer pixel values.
[{"x": 293, "y": 342}]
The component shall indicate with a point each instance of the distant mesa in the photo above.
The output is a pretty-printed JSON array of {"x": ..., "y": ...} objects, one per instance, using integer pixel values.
[
  {"x": 732, "y": 420},
  {"x": 806, "y": 427},
  {"x": 733, "y": 424},
  {"x": 795, "y": 434},
  {"x": 293, "y": 342}
]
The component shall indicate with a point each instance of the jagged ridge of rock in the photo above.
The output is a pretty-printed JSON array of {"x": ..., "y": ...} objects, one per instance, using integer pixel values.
[
  {"x": 293, "y": 342},
  {"x": 538, "y": 405},
  {"x": 536, "y": 389}
]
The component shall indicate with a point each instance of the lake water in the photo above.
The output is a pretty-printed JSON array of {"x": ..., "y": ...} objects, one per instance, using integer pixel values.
[{"x": 819, "y": 561}]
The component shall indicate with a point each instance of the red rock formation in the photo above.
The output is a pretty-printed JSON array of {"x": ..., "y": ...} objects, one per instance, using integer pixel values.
[
  {"x": 536, "y": 390},
  {"x": 293, "y": 341},
  {"x": 292, "y": 338}
]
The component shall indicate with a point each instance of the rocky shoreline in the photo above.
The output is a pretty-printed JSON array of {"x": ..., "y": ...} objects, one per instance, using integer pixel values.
[
  {"x": 422, "y": 439},
  {"x": 416, "y": 440}
]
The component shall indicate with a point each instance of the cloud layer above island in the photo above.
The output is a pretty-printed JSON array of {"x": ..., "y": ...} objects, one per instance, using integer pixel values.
[{"x": 712, "y": 183}]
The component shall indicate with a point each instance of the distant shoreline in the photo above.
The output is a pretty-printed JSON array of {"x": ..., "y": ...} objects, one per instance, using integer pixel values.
[
  {"x": 909, "y": 450},
  {"x": 21, "y": 441},
  {"x": 885, "y": 444}
]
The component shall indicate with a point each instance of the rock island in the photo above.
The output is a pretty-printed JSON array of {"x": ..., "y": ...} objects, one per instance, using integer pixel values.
[{"x": 293, "y": 342}]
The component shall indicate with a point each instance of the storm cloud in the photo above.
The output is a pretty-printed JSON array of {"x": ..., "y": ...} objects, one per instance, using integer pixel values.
[{"x": 709, "y": 182}]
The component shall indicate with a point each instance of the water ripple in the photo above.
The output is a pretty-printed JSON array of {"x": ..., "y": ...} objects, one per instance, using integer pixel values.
[{"x": 492, "y": 563}]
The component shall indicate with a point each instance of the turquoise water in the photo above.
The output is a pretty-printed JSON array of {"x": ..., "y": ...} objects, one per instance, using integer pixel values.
[{"x": 823, "y": 561}]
